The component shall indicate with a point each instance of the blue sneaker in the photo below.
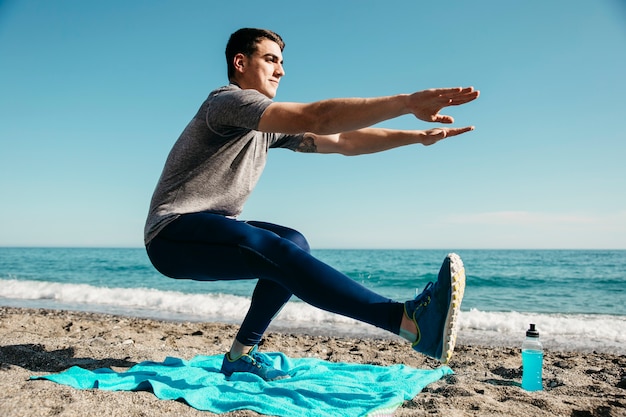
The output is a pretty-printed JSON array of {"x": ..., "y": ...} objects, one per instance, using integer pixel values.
[
  {"x": 435, "y": 311},
  {"x": 254, "y": 362}
]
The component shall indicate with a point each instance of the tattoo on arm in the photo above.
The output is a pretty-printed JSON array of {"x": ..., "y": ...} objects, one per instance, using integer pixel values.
[{"x": 307, "y": 145}]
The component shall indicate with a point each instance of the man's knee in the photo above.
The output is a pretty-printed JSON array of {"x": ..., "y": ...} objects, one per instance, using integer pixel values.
[
  {"x": 286, "y": 233},
  {"x": 299, "y": 239}
]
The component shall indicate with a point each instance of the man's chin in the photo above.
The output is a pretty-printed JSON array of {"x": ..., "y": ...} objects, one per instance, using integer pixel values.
[{"x": 269, "y": 94}]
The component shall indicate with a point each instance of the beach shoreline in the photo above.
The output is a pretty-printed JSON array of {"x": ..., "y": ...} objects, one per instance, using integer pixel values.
[{"x": 486, "y": 380}]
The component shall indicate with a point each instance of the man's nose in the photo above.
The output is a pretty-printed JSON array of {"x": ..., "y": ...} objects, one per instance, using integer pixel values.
[{"x": 280, "y": 70}]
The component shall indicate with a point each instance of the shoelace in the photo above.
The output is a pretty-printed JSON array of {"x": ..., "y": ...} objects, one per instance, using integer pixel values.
[
  {"x": 425, "y": 299},
  {"x": 258, "y": 359}
]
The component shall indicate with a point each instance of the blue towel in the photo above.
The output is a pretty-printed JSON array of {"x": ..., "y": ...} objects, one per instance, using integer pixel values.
[{"x": 317, "y": 387}]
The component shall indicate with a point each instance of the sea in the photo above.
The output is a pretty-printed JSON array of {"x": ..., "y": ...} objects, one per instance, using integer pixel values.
[{"x": 576, "y": 298}]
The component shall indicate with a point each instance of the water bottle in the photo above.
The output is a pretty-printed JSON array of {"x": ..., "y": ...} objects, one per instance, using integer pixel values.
[{"x": 532, "y": 361}]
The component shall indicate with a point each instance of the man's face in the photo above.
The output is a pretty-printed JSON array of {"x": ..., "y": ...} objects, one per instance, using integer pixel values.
[{"x": 263, "y": 70}]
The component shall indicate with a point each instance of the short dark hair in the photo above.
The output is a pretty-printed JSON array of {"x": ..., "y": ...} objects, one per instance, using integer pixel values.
[{"x": 245, "y": 41}]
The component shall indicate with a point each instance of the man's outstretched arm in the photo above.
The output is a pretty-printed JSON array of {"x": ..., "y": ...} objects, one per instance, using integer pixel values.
[
  {"x": 372, "y": 140},
  {"x": 333, "y": 116}
]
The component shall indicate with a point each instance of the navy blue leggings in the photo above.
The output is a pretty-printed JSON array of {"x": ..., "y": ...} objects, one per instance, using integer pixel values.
[{"x": 211, "y": 247}]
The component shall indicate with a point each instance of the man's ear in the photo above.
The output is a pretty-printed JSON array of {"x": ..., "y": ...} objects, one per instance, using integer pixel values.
[{"x": 239, "y": 61}]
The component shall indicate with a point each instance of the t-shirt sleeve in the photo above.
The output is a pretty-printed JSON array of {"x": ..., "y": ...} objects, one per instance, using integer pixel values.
[
  {"x": 235, "y": 109},
  {"x": 288, "y": 141}
]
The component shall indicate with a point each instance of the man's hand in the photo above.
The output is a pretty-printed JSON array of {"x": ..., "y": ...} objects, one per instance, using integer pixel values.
[
  {"x": 427, "y": 104},
  {"x": 433, "y": 136}
]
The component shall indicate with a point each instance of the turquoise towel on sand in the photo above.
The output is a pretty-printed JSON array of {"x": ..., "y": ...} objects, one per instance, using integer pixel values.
[{"x": 317, "y": 387}]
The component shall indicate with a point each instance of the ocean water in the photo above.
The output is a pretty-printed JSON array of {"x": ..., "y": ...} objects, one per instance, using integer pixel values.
[{"x": 577, "y": 298}]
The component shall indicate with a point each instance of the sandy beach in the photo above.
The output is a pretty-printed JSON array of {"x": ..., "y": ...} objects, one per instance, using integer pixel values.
[{"x": 486, "y": 381}]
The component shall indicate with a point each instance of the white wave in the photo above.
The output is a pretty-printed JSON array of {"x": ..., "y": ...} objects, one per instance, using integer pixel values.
[
  {"x": 156, "y": 303},
  {"x": 560, "y": 332},
  {"x": 214, "y": 306}
]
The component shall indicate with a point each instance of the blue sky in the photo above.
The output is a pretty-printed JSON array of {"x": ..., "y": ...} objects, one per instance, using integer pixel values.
[{"x": 93, "y": 95}]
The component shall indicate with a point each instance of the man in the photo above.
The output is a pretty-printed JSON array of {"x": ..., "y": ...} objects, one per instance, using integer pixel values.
[{"x": 192, "y": 231}]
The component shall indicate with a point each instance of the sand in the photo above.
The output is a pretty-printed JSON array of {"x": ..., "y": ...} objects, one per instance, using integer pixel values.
[{"x": 486, "y": 381}]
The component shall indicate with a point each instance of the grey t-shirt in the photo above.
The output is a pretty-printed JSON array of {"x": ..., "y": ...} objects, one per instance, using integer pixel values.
[{"x": 217, "y": 160}]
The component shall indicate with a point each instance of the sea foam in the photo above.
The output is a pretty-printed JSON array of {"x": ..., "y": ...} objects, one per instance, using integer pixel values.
[{"x": 603, "y": 333}]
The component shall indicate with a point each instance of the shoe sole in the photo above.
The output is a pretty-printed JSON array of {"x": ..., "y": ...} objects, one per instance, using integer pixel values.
[{"x": 457, "y": 289}]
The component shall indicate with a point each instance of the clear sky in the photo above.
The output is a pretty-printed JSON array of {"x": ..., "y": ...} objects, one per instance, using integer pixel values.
[{"x": 94, "y": 93}]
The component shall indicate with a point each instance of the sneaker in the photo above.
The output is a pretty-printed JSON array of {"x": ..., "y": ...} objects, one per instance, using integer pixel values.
[
  {"x": 435, "y": 311},
  {"x": 254, "y": 362}
]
